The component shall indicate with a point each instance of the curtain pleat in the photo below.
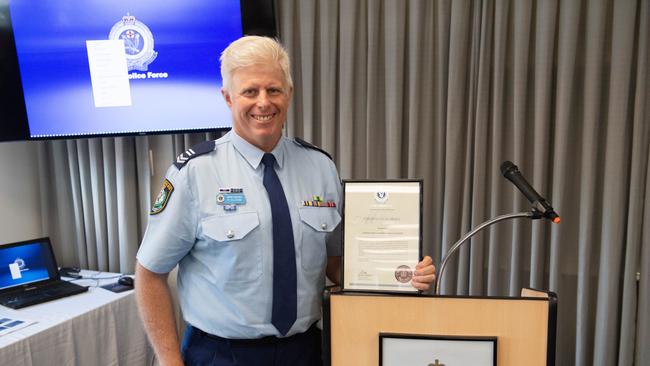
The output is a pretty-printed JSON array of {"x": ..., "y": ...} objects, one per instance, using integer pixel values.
[
  {"x": 111, "y": 214},
  {"x": 85, "y": 252},
  {"x": 616, "y": 182},
  {"x": 351, "y": 120},
  {"x": 632, "y": 249},
  {"x": 498, "y": 115},
  {"x": 144, "y": 173},
  {"x": 96, "y": 224},
  {"x": 641, "y": 350},
  {"x": 128, "y": 210}
]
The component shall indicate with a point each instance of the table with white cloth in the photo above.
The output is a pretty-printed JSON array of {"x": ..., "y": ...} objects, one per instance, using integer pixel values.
[{"x": 98, "y": 327}]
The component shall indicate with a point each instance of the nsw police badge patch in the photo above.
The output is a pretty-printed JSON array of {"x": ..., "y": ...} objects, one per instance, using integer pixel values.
[{"x": 163, "y": 198}]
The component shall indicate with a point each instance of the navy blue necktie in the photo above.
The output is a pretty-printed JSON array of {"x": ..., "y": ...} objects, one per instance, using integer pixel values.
[{"x": 284, "y": 256}]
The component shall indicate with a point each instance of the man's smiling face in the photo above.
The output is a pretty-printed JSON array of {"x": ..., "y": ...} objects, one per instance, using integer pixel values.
[{"x": 258, "y": 99}]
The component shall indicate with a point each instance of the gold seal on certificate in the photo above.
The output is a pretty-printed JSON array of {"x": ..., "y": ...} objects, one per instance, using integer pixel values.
[{"x": 382, "y": 234}]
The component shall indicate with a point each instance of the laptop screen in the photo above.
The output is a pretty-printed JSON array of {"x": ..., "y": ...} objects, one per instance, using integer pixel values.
[{"x": 26, "y": 262}]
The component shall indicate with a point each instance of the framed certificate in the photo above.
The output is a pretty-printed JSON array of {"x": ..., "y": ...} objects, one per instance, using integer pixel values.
[{"x": 382, "y": 234}]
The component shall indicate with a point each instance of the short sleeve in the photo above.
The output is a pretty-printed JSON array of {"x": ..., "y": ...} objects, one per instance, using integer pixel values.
[{"x": 171, "y": 230}]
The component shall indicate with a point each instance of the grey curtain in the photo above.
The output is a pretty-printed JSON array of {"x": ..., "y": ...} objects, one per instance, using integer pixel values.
[
  {"x": 90, "y": 201},
  {"x": 96, "y": 194},
  {"x": 445, "y": 91}
]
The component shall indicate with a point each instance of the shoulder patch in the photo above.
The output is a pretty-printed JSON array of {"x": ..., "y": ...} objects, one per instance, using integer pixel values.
[
  {"x": 163, "y": 197},
  {"x": 306, "y": 144},
  {"x": 200, "y": 149}
]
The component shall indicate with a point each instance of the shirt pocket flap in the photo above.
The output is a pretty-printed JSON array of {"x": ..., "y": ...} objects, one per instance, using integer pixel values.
[
  {"x": 320, "y": 219},
  {"x": 230, "y": 227}
]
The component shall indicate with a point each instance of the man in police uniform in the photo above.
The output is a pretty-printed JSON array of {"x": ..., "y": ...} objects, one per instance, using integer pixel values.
[{"x": 216, "y": 218}]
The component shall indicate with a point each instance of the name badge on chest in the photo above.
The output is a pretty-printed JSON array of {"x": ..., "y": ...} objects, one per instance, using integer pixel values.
[{"x": 230, "y": 198}]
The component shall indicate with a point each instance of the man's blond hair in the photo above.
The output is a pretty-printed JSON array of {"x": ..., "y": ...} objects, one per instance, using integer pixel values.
[{"x": 251, "y": 50}]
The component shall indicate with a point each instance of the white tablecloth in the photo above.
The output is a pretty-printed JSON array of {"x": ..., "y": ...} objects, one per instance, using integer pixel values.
[{"x": 98, "y": 327}]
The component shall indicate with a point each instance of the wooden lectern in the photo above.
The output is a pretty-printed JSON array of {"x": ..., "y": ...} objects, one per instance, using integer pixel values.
[{"x": 524, "y": 326}]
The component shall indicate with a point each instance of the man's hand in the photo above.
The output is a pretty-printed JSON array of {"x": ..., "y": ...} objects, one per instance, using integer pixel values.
[
  {"x": 424, "y": 274},
  {"x": 333, "y": 270}
]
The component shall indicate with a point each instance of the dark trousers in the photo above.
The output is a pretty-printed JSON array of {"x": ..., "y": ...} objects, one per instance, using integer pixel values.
[{"x": 201, "y": 348}]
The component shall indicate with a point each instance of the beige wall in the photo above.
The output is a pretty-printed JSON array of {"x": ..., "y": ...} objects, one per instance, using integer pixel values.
[{"x": 19, "y": 192}]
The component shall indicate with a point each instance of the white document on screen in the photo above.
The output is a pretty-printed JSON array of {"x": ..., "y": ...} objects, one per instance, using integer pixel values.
[{"x": 109, "y": 73}]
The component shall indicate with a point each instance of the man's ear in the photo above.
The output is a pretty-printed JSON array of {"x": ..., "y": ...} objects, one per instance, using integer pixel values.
[{"x": 226, "y": 97}]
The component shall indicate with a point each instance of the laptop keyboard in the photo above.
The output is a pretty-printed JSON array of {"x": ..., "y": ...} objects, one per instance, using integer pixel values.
[{"x": 41, "y": 294}]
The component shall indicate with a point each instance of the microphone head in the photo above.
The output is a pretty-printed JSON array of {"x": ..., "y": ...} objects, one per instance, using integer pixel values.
[
  {"x": 552, "y": 215},
  {"x": 507, "y": 167}
]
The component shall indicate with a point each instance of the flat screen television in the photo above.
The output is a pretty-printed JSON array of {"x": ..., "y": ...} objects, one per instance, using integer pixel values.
[{"x": 118, "y": 67}]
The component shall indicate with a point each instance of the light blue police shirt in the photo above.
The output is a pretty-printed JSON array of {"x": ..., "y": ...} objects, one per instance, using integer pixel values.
[{"x": 225, "y": 277}]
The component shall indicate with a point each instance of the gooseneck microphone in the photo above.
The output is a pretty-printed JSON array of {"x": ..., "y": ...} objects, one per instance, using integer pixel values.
[
  {"x": 511, "y": 173},
  {"x": 541, "y": 208}
]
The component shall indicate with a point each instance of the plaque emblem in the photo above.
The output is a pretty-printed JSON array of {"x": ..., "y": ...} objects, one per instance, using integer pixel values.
[
  {"x": 403, "y": 274},
  {"x": 437, "y": 363},
  {"x": 381, "y": 197},
  {"x": 138, "y": 42}
]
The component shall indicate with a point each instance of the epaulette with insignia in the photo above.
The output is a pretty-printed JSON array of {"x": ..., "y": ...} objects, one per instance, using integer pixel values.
[
  {"x": 306, "y": 144},
  {"x": 200, "y": 149}
]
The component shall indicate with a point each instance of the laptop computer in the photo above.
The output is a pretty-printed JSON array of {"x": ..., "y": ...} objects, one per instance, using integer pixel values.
[{"x": 29, "y": 274}]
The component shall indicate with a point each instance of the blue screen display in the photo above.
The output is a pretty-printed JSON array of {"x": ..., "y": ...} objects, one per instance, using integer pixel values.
[
  {"x": 172, "y": 50},
  {"x": 24, "y": 264}
]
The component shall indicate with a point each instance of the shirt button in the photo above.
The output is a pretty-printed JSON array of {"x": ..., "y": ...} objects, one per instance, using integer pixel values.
[
  {"x": 323, "y": 226},
  {"x": 230, "y": 234}
]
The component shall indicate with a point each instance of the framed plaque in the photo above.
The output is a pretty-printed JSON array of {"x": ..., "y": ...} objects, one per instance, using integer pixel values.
[
  {"x": 382, "y": 234},
  {"x": 414, "y": 349}
]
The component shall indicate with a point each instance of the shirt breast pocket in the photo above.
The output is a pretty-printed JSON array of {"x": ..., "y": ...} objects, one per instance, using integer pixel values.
[
  {"x": 238, "y": 253},
  {"x": 317, "y": 224}
]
